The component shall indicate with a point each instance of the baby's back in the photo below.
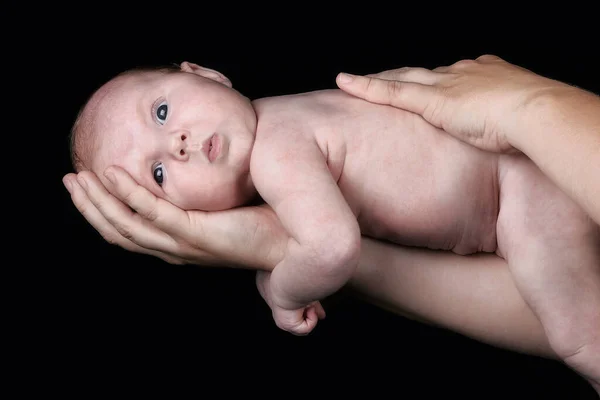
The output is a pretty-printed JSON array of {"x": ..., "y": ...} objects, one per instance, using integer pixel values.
[{"x": 406, "y": 181}]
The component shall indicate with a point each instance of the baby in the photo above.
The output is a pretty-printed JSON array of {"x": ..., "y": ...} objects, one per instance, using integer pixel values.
[{"x": 334, "y": 167}]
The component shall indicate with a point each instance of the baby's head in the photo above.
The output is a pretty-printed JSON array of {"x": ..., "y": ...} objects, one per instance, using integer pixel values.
[{"x": 184, "y": 134}]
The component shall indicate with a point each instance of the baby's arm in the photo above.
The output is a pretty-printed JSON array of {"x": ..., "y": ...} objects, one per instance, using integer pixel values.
[{"x": 291, "y": 174}]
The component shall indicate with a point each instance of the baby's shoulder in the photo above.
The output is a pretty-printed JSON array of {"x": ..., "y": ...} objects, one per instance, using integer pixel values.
[
  {"x": 283, "y": 118},
  {"x": 288, "y": 131}
]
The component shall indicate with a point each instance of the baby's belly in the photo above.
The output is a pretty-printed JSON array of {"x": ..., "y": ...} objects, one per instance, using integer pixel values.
[{"x": 454, "y": 209}]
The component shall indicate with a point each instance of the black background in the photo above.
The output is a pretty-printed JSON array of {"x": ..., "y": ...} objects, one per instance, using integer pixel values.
[{"x": 103, "y": 316}]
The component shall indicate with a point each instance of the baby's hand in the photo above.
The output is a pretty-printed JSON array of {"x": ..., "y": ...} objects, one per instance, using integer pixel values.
[{"x": 300, "y": 321}]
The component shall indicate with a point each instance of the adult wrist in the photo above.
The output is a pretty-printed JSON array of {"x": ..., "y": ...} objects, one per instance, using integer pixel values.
[{"x": 535, "y": 114}]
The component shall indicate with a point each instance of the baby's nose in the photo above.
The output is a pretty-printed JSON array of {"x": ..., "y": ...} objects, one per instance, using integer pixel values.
[{"x": 179, "y": 145}]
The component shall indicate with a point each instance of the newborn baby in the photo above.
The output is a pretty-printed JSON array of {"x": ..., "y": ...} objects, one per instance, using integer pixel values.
[{"x": 334, "y": 167}]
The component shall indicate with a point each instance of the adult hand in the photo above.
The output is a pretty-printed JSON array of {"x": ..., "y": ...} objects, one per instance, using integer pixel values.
[
  {"x": 497, "y": 106},
  {"x": 478, "y": 101},
  {"x": 133, "y": 218}
]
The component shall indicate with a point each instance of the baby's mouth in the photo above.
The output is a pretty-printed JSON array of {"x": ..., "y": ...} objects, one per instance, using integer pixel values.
[{"x": 214, "y": 147}]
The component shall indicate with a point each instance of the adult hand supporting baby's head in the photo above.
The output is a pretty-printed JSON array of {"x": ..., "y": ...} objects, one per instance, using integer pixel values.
[
  {"x": 128, "y": 215},
  {"x": 482, "y": 102}
]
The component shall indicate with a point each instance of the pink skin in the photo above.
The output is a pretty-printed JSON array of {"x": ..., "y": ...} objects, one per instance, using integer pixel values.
[{"x": 191, "y": 126}]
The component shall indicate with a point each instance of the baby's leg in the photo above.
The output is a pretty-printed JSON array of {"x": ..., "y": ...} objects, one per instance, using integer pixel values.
[{"x": 553, "y": 251}]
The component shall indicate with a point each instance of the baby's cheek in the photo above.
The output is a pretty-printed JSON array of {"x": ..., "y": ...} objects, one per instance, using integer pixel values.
[
  {"x": 179, "y": 201},
  {"x": 214, "y": 191},
  {"x": 189, "y": 198}
]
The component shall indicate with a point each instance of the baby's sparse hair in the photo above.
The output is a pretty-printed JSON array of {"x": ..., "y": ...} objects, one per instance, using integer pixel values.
[{"x": 81, "y": 143}]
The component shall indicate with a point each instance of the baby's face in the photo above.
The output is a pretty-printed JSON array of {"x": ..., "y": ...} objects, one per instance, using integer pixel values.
[{"x": 185, "y": 137}]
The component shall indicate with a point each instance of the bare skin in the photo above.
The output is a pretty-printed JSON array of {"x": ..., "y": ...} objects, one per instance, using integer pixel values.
[
  {"x": 454, "y": 197},
  {"x": 558, "y": 127},
  {"x": 327, "y": 184},
  {"x": 555, "y": 124},
  {"x": 440, "y": 288}
]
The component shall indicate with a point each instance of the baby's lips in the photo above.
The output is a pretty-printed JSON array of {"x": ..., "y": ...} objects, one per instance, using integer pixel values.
[
  {"x": 215, "y": 148},
  {"x": 206, "y": 145}
]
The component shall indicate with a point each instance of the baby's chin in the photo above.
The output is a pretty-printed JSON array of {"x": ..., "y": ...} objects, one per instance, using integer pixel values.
[
  {"x": 212, "y": 206},
  {"x": 220, "y": 204}
]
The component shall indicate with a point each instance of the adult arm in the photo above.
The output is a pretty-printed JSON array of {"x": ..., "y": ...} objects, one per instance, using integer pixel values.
[
  {"x": 498, "y": 106},
  {"x": 130, "y": 217},
  {"x": 472, "y": 295}
]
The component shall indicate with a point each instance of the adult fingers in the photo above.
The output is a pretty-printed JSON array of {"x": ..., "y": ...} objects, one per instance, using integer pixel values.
[
  {"x": 160, "y": 213},
  {"x": 411, "y": 96},
  {"x": 108, "y": 232},
  {"x": 128, "y": 224},
  {"x": 410, "y": 74},
  {"x": 489, "y": 58},
  {"x": 93, "y": 216}
]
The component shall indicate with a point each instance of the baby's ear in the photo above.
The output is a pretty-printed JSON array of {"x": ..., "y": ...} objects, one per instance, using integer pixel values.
[{"x": 205, "y": 72}]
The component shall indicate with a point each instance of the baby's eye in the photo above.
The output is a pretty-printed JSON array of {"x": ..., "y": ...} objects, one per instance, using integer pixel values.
[
  {"x": 161, "y": 111},
  {"x": 158, "y": 172}
]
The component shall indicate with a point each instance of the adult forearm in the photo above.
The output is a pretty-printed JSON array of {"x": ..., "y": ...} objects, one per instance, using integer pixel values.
[
  {"x": 560, "y": 132},
  {"x": 472, "y": 295}
]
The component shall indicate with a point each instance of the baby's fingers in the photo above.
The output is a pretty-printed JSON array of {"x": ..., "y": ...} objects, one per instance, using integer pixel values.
[
  {"x": 311, "y": 319},
  {"x": 298, "y": 322},
  {"x": 319, "y": 310}
]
